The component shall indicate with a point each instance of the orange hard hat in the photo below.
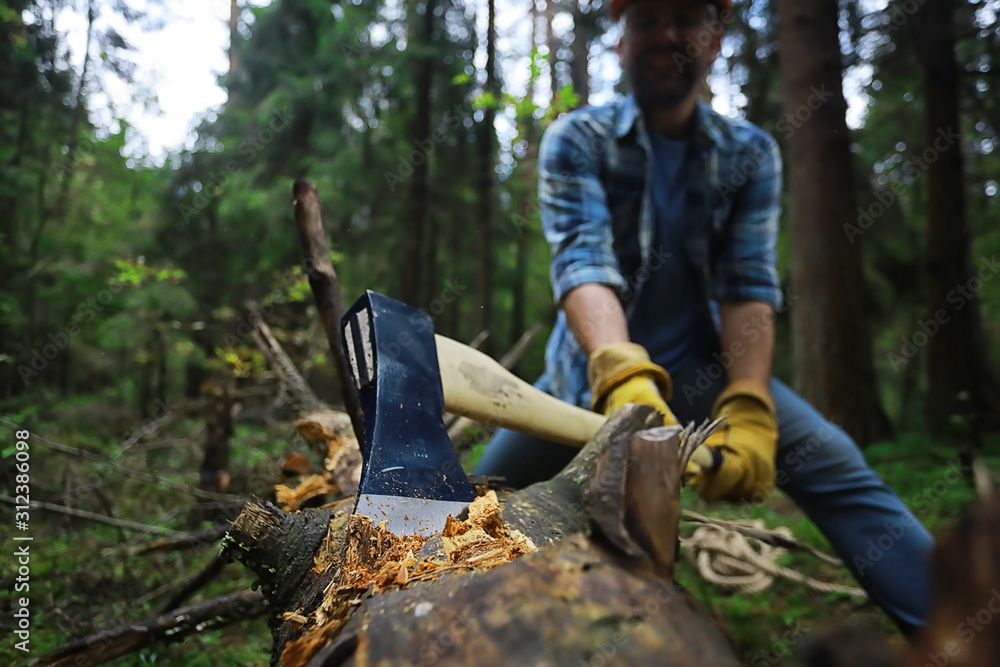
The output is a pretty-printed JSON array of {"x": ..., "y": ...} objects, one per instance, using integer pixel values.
[{"x": 618, "y": 6}]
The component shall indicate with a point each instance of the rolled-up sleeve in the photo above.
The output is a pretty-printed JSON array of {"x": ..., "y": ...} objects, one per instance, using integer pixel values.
[
  {"x": 574, "y": 209},
  {"x": 745, "y": 262}
]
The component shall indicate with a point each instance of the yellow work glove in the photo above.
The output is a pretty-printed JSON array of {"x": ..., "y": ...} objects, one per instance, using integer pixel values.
[
  {"x": 621, "y": 373},
  {"x": 743, "y": 448}
]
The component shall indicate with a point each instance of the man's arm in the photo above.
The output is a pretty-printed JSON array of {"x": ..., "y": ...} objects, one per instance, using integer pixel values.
[
  {"x": 595, "y": 316},
  {"x": 747, "y": 336},
  {"x": 618, "y": 371}
]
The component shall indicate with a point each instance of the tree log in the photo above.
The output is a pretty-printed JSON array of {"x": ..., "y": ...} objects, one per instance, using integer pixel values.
[{"x": 599, "y": 587}]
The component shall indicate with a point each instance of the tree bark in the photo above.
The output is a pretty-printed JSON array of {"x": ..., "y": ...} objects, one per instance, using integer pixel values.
[
  {"x": 831, "y": 339},
  {"x": 958, "y": 380},
  {"x": 598, "y": 586}
]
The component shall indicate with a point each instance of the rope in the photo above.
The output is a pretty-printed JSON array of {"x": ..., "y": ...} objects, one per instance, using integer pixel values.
[{"x": 731, "y": 560}]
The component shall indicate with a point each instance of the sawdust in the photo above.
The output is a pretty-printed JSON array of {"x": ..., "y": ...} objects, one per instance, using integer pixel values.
[{"x": 375, "y": 560}]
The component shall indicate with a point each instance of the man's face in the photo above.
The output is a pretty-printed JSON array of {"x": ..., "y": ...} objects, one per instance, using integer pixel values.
[{"x": 666, "y": 49}]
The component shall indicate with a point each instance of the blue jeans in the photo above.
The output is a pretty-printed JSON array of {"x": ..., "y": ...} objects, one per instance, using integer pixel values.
[{"x": 818, "y": 466}]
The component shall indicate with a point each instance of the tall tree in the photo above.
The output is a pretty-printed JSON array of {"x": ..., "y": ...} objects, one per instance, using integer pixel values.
[
  {"x": 958, "y": 382},
  {"x": 528, "y": 130},
  {"x": 234, "y": 24},
  {"x": 487, "y": 172},
  {"x": 416, "y": 222},
  {"x": 553, "y": 45},
  {"x": 584, "y": 30},
  {"x": 831, "y": 340}
]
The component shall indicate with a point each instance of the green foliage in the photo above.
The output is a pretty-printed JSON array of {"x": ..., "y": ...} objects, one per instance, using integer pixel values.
[{"x": 135, "y": 272}]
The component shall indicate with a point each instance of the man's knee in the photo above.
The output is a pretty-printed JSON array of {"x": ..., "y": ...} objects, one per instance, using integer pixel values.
[{"x": 826, "y": 450}]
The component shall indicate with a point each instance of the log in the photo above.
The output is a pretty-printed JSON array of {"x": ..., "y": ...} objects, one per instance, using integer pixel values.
[{"x": 598, "y": 588}]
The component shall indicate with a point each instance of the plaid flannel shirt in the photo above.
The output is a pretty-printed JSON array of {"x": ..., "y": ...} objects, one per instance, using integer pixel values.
[{"x": 597, "y": 214}]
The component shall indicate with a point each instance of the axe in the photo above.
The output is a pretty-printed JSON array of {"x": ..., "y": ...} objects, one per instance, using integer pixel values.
[{"x": 407, "y": 376}]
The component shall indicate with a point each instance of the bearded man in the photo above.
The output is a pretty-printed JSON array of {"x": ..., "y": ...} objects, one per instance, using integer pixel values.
[{"x": 662, "y": 216}]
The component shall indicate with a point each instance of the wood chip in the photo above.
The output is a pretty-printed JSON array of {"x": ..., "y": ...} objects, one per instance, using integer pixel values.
[{"x": 291, "y": 499}]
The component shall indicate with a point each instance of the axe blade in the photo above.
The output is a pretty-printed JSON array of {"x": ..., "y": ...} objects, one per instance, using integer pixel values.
[
  {"x": 408, "y": 516},
  {"x": 411, "y": 476}
]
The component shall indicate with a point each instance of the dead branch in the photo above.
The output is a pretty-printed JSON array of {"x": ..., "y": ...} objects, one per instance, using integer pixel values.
[
  {"x": 557, "y": 605},
  {"x": 326, "y": 290},
  {"x": 177, "y": 624},
  {"x": 100, "y": 518},
  {"x": 282, "y": 364},
  {"x": 185, "y": 541}
]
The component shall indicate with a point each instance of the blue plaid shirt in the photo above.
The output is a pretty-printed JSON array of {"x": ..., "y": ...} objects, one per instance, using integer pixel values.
[{"x": 597, "y": 214}]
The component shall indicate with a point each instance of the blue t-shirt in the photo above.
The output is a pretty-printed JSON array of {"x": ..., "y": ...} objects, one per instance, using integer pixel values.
[{"x": 669, "y": 318}]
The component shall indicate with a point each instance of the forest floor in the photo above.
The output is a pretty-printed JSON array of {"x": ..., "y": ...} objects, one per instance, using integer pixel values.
[{"x": 85, "y": 576}]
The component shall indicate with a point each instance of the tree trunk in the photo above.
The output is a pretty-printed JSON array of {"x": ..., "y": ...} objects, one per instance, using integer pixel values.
[
  {"x": 234, "y": 23},
  {"x": 528, "y": 168},
  {"x": 553, "y": 47},
  {"x": 213, "y": 475},
  {"x": 958, "y": 382},
  {"x": 78, "y": 115},
  {"x": 487, "y": 170},
  {"x": 583, "y": 30},
  {"x": 576, "y": 599},
  {"x": 831, "y": 339},
  {"x": 413, "y": 230}
]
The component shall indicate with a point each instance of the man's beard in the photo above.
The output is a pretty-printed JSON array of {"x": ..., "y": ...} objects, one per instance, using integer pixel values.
[{"x": 650, "y": 93}]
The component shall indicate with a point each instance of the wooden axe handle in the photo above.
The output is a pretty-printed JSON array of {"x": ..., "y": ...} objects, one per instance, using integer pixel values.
[{"x": 477, "y": 387}]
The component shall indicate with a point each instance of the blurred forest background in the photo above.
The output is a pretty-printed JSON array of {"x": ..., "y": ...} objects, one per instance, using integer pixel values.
[{"x": 127, "y": 288}]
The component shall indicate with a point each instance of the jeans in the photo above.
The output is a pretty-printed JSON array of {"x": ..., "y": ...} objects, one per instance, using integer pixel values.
[{"x": 817, "y": 465}]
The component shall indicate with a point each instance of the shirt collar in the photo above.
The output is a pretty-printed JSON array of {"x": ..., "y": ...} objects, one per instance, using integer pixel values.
[{"x": 706, "y": 132}]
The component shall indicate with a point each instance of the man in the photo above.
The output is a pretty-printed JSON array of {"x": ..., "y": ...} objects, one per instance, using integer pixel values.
[{"x": 662, "y": 216}]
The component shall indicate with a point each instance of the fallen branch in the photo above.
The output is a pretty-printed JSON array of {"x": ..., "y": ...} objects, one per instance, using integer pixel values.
[
  {"x": 284, "y": 367},
  {"x": 177, "y": 624},
  {"x": 100, "y": 518}
]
